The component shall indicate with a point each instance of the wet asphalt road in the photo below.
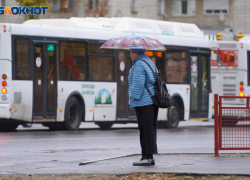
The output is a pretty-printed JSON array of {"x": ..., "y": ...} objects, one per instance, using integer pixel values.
[{"x": 37, "y": 150}]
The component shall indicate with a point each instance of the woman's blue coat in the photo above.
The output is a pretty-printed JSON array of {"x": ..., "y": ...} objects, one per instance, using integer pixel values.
[{"x": 140, "y": 75}]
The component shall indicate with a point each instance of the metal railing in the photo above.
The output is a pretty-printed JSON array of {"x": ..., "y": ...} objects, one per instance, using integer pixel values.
[{"x": 231, "y": 125}]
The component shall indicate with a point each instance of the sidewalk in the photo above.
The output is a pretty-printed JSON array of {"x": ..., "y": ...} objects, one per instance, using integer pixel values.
[
  {"x": 185, "y": 150},
  {"x": 205, "y": 164}
]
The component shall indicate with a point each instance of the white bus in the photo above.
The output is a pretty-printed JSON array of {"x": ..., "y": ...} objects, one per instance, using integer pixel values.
[
  {"x": 53, "y": 72},
  {"x": 230, "y": 72}
]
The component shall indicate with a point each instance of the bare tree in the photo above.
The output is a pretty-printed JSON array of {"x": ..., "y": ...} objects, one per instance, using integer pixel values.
[{"x": 94, "y": 8}]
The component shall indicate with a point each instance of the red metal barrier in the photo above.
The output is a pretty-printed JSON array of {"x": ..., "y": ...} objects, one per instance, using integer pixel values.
[{"x": 231, "y": 125}]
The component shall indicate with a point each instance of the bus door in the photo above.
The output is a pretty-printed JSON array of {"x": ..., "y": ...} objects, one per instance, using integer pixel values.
[
  {"x": 200, "y": 85},
  {"x": 124, "y": 112},
  {"x": 44, "y": 81}
]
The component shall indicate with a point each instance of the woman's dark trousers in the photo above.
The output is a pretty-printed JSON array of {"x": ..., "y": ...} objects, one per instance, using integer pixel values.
[{"x": 147, "y": 124}]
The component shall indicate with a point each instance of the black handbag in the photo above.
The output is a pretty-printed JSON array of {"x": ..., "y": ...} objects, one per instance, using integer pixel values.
[{"x": 162, "y": 98}]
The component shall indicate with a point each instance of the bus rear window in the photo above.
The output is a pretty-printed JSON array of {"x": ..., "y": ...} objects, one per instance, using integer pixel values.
[{"x": 22, "y": 66}]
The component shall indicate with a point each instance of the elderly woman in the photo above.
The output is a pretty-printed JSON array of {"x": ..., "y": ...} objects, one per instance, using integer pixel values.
[{"x": 146, "y": 112}]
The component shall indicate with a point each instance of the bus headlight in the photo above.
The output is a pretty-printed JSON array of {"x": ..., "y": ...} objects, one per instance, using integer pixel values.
[{"x": 4, "y": 97}]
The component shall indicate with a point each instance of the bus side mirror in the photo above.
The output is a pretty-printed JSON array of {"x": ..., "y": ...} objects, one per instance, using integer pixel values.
[{"x": 219, "y": 60}]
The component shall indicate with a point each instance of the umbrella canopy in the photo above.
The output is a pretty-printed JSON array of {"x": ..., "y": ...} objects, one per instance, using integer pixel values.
[{"x": 133, "y": 42}]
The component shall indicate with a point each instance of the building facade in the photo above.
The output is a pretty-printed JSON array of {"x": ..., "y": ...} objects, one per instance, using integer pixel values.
[
  {"x": 206, "y": 14},
  {"x": 211, "y": 16},
  {"x": 147, "y": 9},
  {"x": 241, "y": 16},
  {"x": 10, "y": 18}
]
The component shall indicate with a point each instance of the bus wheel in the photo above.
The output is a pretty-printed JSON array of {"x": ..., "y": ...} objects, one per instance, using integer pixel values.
[
  {"x": 72, "y": 118},
  {"x": 105, "y": 125},
  {"x": 27, "y": 125},
  {"x": 173, "y": 116},
  {"x": 6, "y": 127}
]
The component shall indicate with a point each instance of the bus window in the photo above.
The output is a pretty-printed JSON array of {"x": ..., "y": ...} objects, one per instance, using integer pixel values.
[
  {"x": 22, "y": 59},
  {"x": 101, "y": 68},
  {"x": 204, "y": 90},
  {"x": 73, "y": 61},
  {"x": 95, "y": 48},
  {"x": 157, "y": 58},
  {"x": 176, "y": 67}
]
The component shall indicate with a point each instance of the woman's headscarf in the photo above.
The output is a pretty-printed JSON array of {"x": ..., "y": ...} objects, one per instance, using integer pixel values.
[{"x": 138, "y": 51}]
